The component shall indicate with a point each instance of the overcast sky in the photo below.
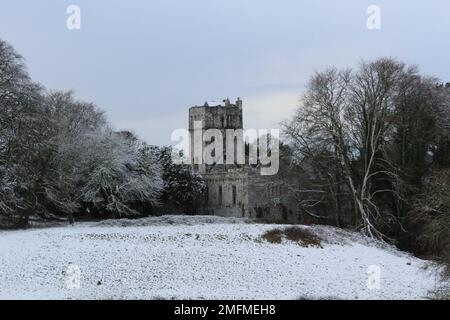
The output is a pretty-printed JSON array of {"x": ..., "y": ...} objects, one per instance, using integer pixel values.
[{"x": 146, "y": 62}]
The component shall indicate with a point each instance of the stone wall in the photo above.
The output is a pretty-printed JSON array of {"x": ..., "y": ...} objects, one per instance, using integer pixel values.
[{"x": 227, "y": 193}]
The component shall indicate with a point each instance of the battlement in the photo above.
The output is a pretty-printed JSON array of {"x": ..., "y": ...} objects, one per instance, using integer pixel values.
[
  {"x": 226, "y": 104},
  {"x": 218, "y": 116}
]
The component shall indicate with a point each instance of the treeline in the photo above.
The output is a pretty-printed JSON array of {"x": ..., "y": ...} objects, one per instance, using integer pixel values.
[
  {"x": 369, "y": 148},
  {"x": 376, "y": 142},
  {"x": 60, "y": 157}
]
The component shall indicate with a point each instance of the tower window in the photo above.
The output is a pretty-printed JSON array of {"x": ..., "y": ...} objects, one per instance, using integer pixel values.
[
  {"x": 220, "y": 195},
  {"x": 234, "y": 194}
]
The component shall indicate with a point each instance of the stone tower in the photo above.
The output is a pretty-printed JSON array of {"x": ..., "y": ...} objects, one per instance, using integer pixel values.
[
  {"x": 232, "y": 189},
  {"x": 214, "y": 116}
]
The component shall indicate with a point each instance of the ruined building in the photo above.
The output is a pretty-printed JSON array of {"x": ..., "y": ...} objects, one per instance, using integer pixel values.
[{"x": 233, "y": 189}]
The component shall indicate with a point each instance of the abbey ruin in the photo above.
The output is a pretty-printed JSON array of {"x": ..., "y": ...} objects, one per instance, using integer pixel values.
[{"x": 237, "y": 190}]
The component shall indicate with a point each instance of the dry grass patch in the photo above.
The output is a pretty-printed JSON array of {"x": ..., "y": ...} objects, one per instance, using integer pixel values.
[
  {"x": 302, "y": 236},
  {"x": 273, "y": 236}
]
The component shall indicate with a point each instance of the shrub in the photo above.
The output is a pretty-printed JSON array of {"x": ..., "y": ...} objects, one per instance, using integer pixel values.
[{"x": 302, "y": 236}]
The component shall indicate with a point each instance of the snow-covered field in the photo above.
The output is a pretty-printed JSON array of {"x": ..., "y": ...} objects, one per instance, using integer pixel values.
[{"x": 201, "y": 258}]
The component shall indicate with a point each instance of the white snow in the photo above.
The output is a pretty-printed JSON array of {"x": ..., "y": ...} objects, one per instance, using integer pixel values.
[{"x": 201, "y": 258}]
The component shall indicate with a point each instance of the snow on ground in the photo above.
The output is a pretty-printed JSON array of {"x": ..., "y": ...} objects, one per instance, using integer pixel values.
[{"x": 200, "y": 257}]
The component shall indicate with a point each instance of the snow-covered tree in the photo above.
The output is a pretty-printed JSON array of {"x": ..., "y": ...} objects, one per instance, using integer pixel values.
[
  {"x": 183, "y": 187},
  {"x": 74, "y": 123},
  {"x": 124, "y": 171},
  {"x": 58, "y": 156},
  {"x": 21, "y": 135}
]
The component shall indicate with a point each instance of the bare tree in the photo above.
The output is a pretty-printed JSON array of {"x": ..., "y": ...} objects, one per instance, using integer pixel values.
[
  {"x": 370, "y": 116},
  {"x": 349, "y": 116},
  {"x": 318, "y": 136}
]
